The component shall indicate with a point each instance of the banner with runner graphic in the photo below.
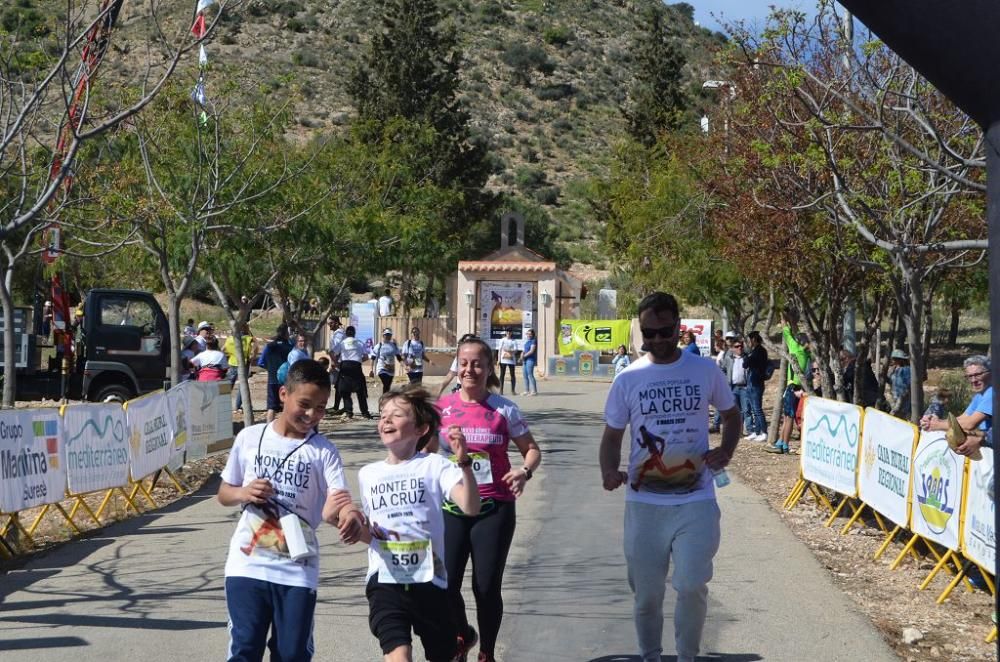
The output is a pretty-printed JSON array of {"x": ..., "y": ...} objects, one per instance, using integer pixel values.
[
  {"x": 831, "y": 432},
  {"x": 31, "y": 468},
  {"x": 978, "y": 531},
  {"x": 150, "y": 433},
  {"x": 593, "y": 335},
  {"x": 938, "y": 473},
  {"x": 887, "y": 445},
  {"x": 505, "y": 306},
  {"x": 96, "y": 447}
]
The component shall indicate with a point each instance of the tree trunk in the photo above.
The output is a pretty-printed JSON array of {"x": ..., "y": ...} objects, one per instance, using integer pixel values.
[
  {"x": 173, "y": 326},
  {"x": 9, "y": 367},
  {"x": 956, "y": 311},
  {"x": 774, "y": 428}
]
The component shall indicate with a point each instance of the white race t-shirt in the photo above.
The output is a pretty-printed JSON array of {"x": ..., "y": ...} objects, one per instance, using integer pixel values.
[
  {"x": 385, "y": 354},
  {"x": 336, "y": 338},
  {"x": 665, "y": 407},
  {"x": 350, "y": 349},
  {"x": 302, "y": 472},
  {"x": 384, "y": 306},
  {"x": 403, "y": 502},
  {"x": 413, "y": 355},
  {"x": 506, "y": 351}
]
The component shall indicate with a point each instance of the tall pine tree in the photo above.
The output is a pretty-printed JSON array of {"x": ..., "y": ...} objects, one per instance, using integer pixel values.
[
  {"x": 410, "y": 72},
  {"x": 657, "y": 100}
]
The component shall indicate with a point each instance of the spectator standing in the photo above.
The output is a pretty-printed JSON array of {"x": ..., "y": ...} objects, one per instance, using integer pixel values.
[
  {"x": 414, "y": 354},
  {"x": 506, "y": 354},
  {"x": 189, "y": 330},
  {"x": 738, "y": 383},
  {"x": 249, "y": 353},
  {"x": 671, "y": 514},
  {"x": 849, "y": 373},
  {"x": 900, "y": 380},
  {"x": 336, "y": 337},
  {"x": 350, "y": 354},
  {"x": 756, "y": 363},
  {"x": 275, "y": 353},
  {"x": 977, "y": 419},
  {"x": 621, "y": 360},
  {"x": 798, "y": 347},
  {"x": 385, "y": 304},
  {"x": 300, "y": 351},
  {"x": 189, "y": 345},
  {"x": 529, "y": 359},
  {"x": 689, "y": 343},
  {"x": 211, "y": 364},
  {"x": 204, "y": 332},
  {"x": 385, "y": 354}
]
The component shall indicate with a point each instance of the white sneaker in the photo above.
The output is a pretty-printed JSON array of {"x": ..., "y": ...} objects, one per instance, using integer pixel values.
[
  {"x": 759, "y": 437},
  {"x": 749, "y": 437}
]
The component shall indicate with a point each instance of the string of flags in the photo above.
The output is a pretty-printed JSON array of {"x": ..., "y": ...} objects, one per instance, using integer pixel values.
[{"x": 199, "y": 29}]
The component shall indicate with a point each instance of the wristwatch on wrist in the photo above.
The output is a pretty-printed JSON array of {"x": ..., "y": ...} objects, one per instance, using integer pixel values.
[
  {"x": 527, "y": 473},
  {"x": 467, "y": 462}
]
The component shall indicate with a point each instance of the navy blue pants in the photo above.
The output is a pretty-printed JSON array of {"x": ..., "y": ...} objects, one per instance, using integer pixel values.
[{"x": 256, "y": 607}]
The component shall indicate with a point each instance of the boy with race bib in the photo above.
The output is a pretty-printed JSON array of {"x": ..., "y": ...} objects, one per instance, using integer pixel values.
[{"x": 402, "y": 497}]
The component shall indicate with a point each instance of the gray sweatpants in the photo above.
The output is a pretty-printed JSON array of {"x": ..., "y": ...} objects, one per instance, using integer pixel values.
[{"x": 688, "y": 534}]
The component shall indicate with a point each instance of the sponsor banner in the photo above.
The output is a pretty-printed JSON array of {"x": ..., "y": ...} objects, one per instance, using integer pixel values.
[
  {"x": 702, "y": 330},
  {"x": 150, "y": 433},
  {"x": 210, "y": 416},
  {"x": 363, "y": 320},
  {"x": 831, "y": 432},
  {"x": 887, "y": 445},
  {"x": 96, "y": 447},
  {"x": 978, "y": 531},
  {"x": 937, "y": 490},
  {"x": 177, "y": 406},
  {"x": 31, "y": 467},
  {"x": 505, "y": 306},
  {"x": 593, "y": 335}
]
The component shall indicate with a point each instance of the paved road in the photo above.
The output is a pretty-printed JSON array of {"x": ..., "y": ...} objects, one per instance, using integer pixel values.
[{"x": 151, "y": 588}]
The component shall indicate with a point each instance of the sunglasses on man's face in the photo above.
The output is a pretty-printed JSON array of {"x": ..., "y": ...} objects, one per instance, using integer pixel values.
[{"x": 662, "y": 332}]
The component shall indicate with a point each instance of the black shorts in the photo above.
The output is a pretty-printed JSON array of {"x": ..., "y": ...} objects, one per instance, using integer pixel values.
[
  {"x": 273, "y": 399},
  {"x": 393, "y": 609}
]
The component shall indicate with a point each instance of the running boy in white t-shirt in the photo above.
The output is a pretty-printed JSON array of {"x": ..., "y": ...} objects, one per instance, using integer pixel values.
[
  {"x": 402, "y": 498},
  {"x": 276, "y": 469}
]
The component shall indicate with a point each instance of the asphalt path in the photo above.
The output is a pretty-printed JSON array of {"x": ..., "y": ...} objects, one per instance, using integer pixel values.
[{"x": 151, "y": 588}]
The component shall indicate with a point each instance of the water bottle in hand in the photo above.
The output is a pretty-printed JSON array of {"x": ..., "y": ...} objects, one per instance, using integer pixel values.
[{"x": 721, "y": 477}]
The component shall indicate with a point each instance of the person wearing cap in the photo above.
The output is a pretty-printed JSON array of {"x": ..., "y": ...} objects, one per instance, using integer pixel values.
[
  {"x": 414, "y": 354},
  {"x": 977, "y": 419},
  {"x": 899, "y": 382},
  {"x": 797, "y": 344},
  {"x": 205, "y": 331},
  {"x": 385, "y": 354}
]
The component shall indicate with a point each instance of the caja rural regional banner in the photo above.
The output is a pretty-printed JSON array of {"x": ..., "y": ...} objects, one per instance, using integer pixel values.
[
  {"x": 593, "y": 335},
  {"x": 151, "y": 437},
  {"x": 887, "y": 445},
  {"x": 937, "y": 490},
  {"x": 96, "y": 447},
  {"x": 978, "y": 532},
  {"x": 831, "y": 432},
  {"x": 31, "y": 469}
]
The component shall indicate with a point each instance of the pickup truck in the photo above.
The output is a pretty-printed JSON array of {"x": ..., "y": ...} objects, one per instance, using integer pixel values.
[{"x": 122, "y": 349}]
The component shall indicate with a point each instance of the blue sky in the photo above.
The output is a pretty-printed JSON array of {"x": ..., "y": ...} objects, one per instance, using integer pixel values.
[{"x": 731, "y": 10}]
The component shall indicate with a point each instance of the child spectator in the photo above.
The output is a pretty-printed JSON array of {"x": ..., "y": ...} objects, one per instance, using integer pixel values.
[
  {"x": 403, "y": 497},
  {"x": 274, "y": 470}
]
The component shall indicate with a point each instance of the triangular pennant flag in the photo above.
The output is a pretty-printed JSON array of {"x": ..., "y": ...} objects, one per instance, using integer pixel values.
[
  {"x": 203, "y": 5},
  {"x": 198, "y": 95},
  {"x": 202, "y": 57},
  {"x": 199, "y": 29}
]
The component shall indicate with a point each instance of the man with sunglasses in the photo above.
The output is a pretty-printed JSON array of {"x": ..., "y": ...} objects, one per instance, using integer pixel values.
[
  {"x": 670, "y": 507},
  {"x": 977, "y": 419}
]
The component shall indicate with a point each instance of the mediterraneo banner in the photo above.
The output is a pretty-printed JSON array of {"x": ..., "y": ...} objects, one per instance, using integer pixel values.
[{"x": 593, "y": 335}]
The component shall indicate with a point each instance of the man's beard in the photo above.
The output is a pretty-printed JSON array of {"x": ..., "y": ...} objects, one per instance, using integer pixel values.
[{"x": 662, "y": 351}]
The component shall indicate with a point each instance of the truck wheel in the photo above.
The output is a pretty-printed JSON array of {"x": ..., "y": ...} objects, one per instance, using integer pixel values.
[{"x": 113, "y": 393}]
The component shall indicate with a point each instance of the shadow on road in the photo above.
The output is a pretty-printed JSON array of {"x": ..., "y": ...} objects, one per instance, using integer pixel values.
[{"x": 711, "y": 657}]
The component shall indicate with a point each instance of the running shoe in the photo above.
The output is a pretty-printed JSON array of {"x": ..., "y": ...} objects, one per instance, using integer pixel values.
[
  {"x": 466, "y": 643},
  {"x": 760, "y": 437},
  {"x": 749, "y": 437},
  {"x": 778, "y": 447}
]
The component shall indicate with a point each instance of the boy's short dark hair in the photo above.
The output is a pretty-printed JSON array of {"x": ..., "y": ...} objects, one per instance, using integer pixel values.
[
  {"x": 350, "y": 331},
  {"x": 424, "y": 411},
  {"x": 659, "y": 302},
  {"x": 306, "y": 371},
  {"x": 212, "y": 343},
  {"x": 323, "y": 361}
]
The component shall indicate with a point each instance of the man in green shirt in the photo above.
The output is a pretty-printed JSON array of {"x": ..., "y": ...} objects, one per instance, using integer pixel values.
[{"x": 797, "y": 344}]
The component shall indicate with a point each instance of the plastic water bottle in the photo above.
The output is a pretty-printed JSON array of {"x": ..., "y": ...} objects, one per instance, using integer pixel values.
[{"x": 721, "y": 477}]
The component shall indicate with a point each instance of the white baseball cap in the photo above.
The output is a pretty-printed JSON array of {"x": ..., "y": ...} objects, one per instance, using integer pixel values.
[{"x": 386, "y": 332}]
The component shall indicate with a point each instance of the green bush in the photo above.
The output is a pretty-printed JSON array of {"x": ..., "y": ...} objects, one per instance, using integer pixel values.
[
  {"x": 305, "y": 59},
  {"x": 523, "y": 59},
  {"x": 555, "y": 92},
  {"x": 557, "y": 35},
  {"x": 490, "y": 12},
  {"x": 529, "y": 177},
  {"x": 547, "y": 195}
]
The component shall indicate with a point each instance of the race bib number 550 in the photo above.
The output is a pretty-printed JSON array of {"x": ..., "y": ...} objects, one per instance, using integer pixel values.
[{"x": 405, "y": 562}]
